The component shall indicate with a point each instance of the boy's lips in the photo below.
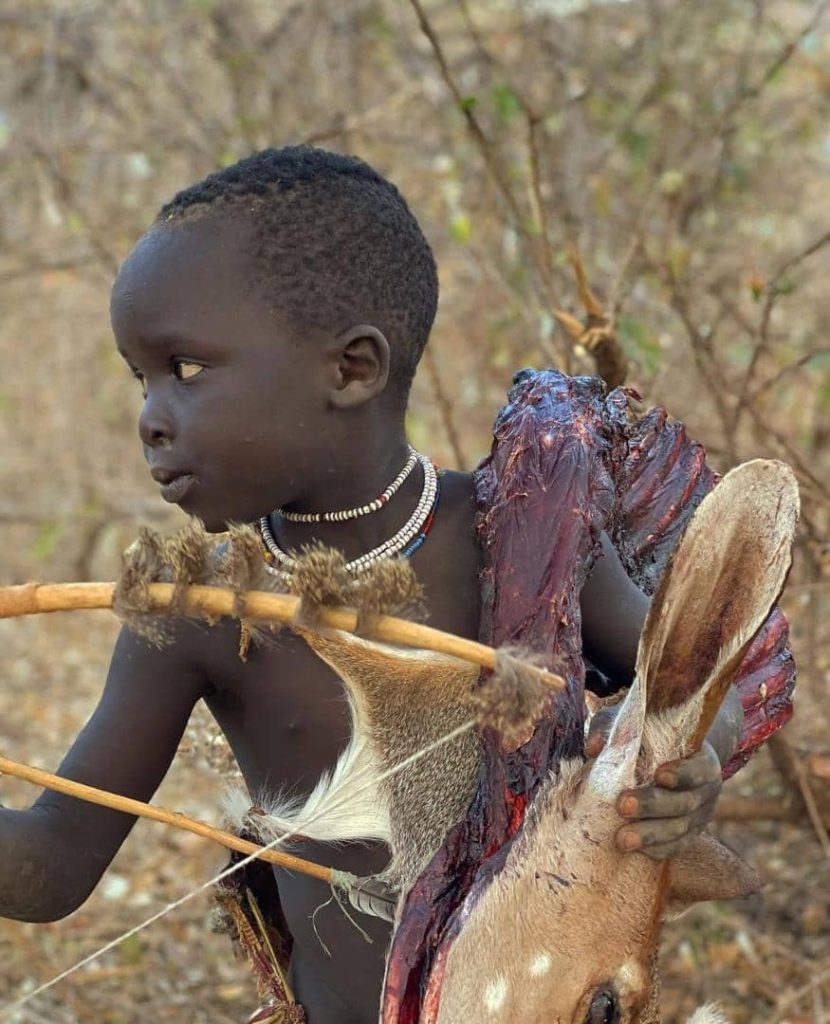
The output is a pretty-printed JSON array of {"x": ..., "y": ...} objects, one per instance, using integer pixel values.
[{"x": 175, "y": 484}]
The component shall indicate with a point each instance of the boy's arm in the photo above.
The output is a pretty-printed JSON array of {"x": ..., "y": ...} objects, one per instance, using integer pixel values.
[
  {"x": 663, "y": 817},
  {"x": 55, "y": 853},
  {"x": 613, "y": 612}
]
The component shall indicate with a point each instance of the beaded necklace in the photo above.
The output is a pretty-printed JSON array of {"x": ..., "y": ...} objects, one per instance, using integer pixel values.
[
  {"x": 405, "y": 542},
  {"x": 361, "y": 510}
]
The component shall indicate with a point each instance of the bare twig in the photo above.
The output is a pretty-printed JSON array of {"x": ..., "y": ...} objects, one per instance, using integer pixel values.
[
  {"x": 783, "y": 56},
  {"x": 740, "y": 808},
  {"x": 47, "y": 267},
  {"x": 361, "y": 121},
  {"x": 65, "y": 191},
  {"x": 791, "y": 998},
  {"x": 704, "y": 359},
  {"x": 442, "y": 400},
  {"x": 28, "y": 516},
  {"x": 537, "y": 241},
  {"x": 806, "y": 476},
  {"x": 785, "y": 371},
  {"x": 485, "y": 146},
  {"x": 773, "y": 293},
  {"x": 796, "y": 778}
]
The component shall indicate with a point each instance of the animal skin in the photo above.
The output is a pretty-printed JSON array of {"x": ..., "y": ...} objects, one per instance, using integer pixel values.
[
  {"x": 545, "y": 903},
  {"x": 567, "y": 462},
  {"x": 565, "y": 918},
  {"x": 400, "y": 700}
]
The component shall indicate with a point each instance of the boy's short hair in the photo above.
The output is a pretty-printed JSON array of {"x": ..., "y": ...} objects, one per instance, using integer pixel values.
[{"x": 335, "y": 242}]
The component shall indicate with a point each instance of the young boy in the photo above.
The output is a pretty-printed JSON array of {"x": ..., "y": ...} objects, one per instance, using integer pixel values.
[{"x": 274, "y": 315}]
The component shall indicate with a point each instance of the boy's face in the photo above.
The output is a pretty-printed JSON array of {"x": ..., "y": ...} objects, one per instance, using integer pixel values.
[{"x": 234, "y": 416}]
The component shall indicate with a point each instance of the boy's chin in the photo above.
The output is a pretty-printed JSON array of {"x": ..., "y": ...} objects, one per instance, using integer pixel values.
[
  {"x": 209, "y": 524},
  {"x": 214, "y": 525}
]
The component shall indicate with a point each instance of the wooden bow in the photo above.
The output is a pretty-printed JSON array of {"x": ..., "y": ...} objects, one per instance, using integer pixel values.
[{"x": 37, "y": 598}]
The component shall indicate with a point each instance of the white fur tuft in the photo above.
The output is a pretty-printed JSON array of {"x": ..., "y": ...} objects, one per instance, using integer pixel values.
[
  {"x": 235, "y": 806},
  {"x": 709, "y": 1014},
  {"x": 615, "y": 768},
  {"x": 343, "y": 806},
  {"x": 667, "y": 735}
]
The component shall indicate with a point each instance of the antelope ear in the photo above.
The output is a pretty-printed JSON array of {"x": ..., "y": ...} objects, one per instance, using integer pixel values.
[
  {"x": 708, "y": 870},
  {"x": 725, "y": 576},
  {"x": 615, "y": 768}
]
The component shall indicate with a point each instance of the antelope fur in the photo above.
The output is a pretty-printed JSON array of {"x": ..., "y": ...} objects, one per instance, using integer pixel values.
[{"x": 401, "y": 700}]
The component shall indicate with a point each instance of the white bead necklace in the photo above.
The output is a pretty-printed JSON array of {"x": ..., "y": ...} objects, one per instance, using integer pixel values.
[
  {"x": 284, "y": 563},
  {"x": 361, "y": 510}
]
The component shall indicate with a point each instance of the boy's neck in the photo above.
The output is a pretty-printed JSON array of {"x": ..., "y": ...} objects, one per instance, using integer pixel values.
[{"x": 353, "y": 484}]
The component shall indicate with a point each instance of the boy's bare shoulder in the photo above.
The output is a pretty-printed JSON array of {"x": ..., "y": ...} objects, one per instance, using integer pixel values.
[{"x": 176, "y": 651}]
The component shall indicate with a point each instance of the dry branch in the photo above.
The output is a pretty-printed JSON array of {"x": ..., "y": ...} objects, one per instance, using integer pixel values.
[
  {"x": 744, "y": 808},
  {"x": 442, "y": 400},
  {"x": 796, "y": 777}
]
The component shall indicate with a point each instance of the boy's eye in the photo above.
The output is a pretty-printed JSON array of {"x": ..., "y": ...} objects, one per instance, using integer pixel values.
[
  {"x": 183, "y": 370},
  {"x": 142, "y": 381}
]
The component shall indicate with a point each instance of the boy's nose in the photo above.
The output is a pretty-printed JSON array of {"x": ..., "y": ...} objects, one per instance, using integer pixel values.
[{"x": 155, "y": 426}]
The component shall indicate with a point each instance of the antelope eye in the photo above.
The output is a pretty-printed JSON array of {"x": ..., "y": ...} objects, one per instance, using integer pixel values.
[{"x": 604, "y": 1008}]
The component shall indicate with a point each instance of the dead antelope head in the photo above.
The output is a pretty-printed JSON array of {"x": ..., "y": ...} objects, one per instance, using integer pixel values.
[{"x": 567, "y": 931}]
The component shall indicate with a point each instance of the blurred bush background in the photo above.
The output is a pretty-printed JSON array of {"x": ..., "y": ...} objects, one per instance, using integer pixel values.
[{"x": 682, "y": 149}]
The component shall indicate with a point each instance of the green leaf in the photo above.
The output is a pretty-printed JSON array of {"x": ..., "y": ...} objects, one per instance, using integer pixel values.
[
  {"x": 47, "y": 540},
  {"x": 639, "y": 343},
  {"x": 637, "y": 143},
  {"x": 671, "y": 182},
  {"x": 506, "y": 101},
  {"x": 678, "y": 260},
  {"x": 461, "y": 227},
  {"x": 736, "y": 177},
  {"x": 131, "y": 951},
  {"x": 467, "y": 103},
  {"x": 786, "y": 286},
  {"x": 417, "y": 430}
]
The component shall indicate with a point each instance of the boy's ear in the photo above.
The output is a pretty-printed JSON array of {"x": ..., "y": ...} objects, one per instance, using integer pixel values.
[{"x": 361, "y": 359}]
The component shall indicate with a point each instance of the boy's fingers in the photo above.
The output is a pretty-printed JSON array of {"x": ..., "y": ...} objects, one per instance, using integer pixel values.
[
  {"x": 692, "y": 772},
  {"x": 659, "y": 833},
  {"x": 662, "y": 851},
  {"x": 654, "y": 832},
  {"x": 598, "y": 731},
  {"x": 656, "y": 802}
]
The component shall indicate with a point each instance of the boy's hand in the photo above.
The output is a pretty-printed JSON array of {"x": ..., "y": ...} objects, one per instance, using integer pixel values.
[{"x": 662, "y": 819}]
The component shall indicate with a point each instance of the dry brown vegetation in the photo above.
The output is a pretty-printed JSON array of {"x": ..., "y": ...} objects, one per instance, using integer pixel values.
[{"x": 682, "y": 147}]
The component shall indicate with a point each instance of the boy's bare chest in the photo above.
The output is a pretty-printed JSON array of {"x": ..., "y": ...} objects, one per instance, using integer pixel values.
[{"x": 284, "y": 711}]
